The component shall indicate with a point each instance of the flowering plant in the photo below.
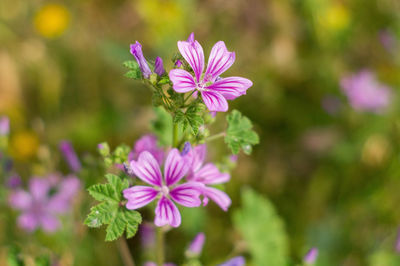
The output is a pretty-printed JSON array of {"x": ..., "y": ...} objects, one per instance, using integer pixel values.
[{"x": 171, "y": 171}]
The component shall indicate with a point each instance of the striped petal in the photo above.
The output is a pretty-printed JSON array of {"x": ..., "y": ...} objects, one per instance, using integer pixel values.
[
  {"x": 187, "y": 194},
  {"x": 147, "y": 169},
  {"x": 219, "y": 61},
  {"x": 182, "y": 80},
  {"x": 231, "y": 87},
  {"x": 167, "y": 213},
  {"x": 214, "y": 101},
  {"x": 194, "y": 55},
  {"x": 210, "y": 174},
  {"x": 176, "y": 167},
  {"x": 218, "y": 196},
  {"x": 139, "y": 196}
]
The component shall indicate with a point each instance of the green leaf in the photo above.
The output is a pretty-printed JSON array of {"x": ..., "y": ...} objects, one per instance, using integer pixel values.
[
  {"x": 240, "y": 134},
  {"x": 131, "y": 64},
  {"x": 14, "y": 257},
  {"x": 134, "y": 74},
  {"x": 162, "y": 126},
  {"x": 111, "y": 211},
  {"x": 192, "y": 117},
  {"x": 164, "y": 80},
  {"x": 262, "y": 229}
]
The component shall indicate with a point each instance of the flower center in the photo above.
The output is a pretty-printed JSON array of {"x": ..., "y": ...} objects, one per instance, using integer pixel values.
[{"x": 164, "y": 190}]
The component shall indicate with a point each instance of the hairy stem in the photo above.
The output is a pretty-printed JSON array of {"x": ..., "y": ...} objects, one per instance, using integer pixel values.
[
  {"x": 124, "y": 251},
  {"x": 160, "y": 246},
  {"x": 216, "y": 136}
]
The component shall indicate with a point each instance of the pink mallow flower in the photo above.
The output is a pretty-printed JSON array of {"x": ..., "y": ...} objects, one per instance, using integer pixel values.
[
  {"x": 365, "y": 93},
  {"x": 147, "y": 143},
  {"x": 207, "y": 174},
  {"x": 214, "y": 91},
  {"x": 165, "y": 187},
  {"x": 45, "y": 200},
  {"x": 4, "y": 125}
]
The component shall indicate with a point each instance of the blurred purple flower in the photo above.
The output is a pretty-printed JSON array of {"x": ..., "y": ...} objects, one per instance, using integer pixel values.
[
  {"x": 147, "y": 143},
  {"x": 136, "y": 51},
  {"x": 311, "y": 256},
  {"x": 178, "y": 63},
  {"x": 365, "y": 93},
  {"x": 147, "y": 235},
  {"x": 233, "y": 158},
  {"x": 397, "y": 245},
  {"x": 197, "y": 244},
  {"x": 207, "y": 174},
  {"x": 14, "y": 181},
  {"x": 70, "y": 156},
  {"x": 186, "y": 148},
  {"x": 214, "y": 93},
  {"x": 164, "y": 186},
  {"x": 44, "y": 201},
  {"x": 150, "y": 263},
  {"x": 236, "y": 261},
  {"x": 4, "y": 125},
  {"x": 331, "y": 104},
  {"x": 159, "y": 66},
  {"x": 387, "y": 39}
]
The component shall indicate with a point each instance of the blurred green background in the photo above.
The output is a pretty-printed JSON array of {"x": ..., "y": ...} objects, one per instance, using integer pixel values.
[{"x": 332, "y": 177}]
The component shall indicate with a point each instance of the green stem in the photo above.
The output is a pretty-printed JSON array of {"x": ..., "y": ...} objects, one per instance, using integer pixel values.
[
  {"x": 125, "y": 253},
  {"x": 160, "y": 246},
  {"x": 184, "y": 101},
  {"x": 216, "y": 136},
  {"x": 175, "y": 135}
]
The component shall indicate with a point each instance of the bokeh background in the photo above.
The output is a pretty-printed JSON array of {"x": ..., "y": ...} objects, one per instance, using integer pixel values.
[{"x": 330, "y": 170}]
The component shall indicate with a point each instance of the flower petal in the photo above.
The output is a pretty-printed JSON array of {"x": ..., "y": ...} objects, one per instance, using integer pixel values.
[
  {"x": 231, "y": 87},
  {"x": 136, "y": 51},
  {"x": 218, "y": 196},
  {"x": 219, "y": 61},
  {"x": 187, "y": 194},
  {"x": 176, "y": 167},
  {"x": 139, "y": 196},
  {"x": 49, "y": 222},
  {"x": 147, "y": 143},
  {"x": 194, "y": 55},
  {"x": 39, "y": 188},
  {"x": 199, "y": 155},
  {"x": 236, "y": 261},
  {"x": 20, "y": 200},
  {"x": 214, "y": 101},
  {"x": 182, "y": 80},
  {"x": 210, "y": 174},
  {"x": 167, "y": 213},
  {"x": 147, "y": 169},
  {"x": 28, "y": 221}
]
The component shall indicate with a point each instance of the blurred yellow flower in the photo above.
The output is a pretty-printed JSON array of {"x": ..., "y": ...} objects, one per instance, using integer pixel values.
[
  {"x": 52, "y": 20},
  {"x": 336, "y": 17},
  {"x": 376, "y": 150},
  {"x": 24, "y": 145}
]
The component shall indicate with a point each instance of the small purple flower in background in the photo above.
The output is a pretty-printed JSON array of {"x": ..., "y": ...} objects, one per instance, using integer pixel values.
[
  {"x": 214, "y": 93},
  {"x": 331, "y": 104},
  {"x": 147, "y": 143},
  {"x": 397, "y": 245},
  {"x": 159, "y": 66},
  {"x": 147, "y": 235},
  {"x": 70, "y": 156},
  {"x": 178, "y": 63},
  {"x": 365, "y": 93},
  {"x": 136, "y": 51},
  {"x": 236, "y": 261},
  {"x": 4, "y": 125},
  {"x": 311, "y": 256},
  {"x": 44, "y": 201},
  {"x": 233, "y": 158},
  {"x": 388, "y": 40},
  {"x": 148, "y": 170},
  {"x": 186, "y": 148},
  {"x": 150, "y": 263},
  {"x": 208, "y": 174},
  {"x": 14, "y": 181},
  {"x": 196, "y": 246}
]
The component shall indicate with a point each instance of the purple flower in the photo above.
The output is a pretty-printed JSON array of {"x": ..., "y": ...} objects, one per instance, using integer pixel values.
[
  {"x": 197, "y": 244},
  {"x": 387, "y": 39},
  {"x": 70, "y": 156},
  {"x": 214, "y": 93},
  {"x": 311, "y": 256},
  {"x": 4, "y": 125},
  {"x": 397, "y": 245},
  {"x": 147, "y": 235},
  {"x": 150, "y": 263},
  {"x": 365, "y": 93},
  {"x": 186, "y": 148},
  {"x": 164, "y": 186},
  {"x": 236, "y": 261},
  {"x": 14, "y": 181},
  {"x": 208, "y": 174},
  {"x": 46, "y": 199},
  {"x": 178, "y": 63},
  {"x": 159, "y": 67},
  {"x": 147, "y": 143},
  {"x": 136, "y": 51}
]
